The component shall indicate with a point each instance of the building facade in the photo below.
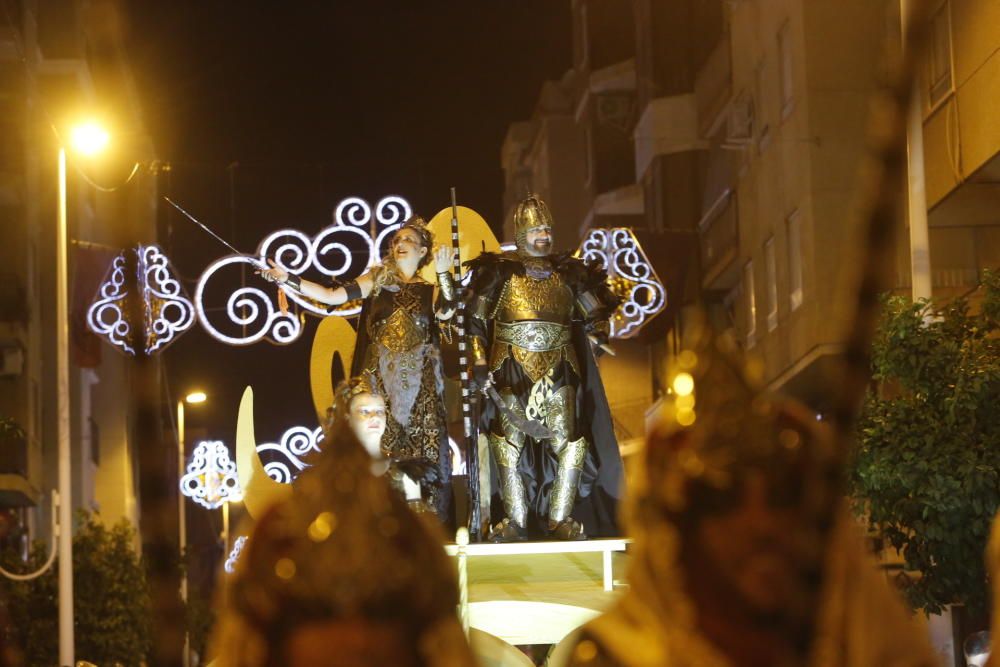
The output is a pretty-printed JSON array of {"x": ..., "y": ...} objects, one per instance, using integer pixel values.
[
  {"x": 734, "y": 131},
  {"x": 62, "y": 61}
]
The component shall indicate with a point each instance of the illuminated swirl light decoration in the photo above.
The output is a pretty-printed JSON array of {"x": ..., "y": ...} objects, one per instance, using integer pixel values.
[
  {"x": 342, "y": 251},
  {"x": 630, "y": 275},
  {"x": 168, "y": 312},
  {"x": 106, "y": 316},
  {"x": 294, "y": 445},
  {"x": 211, "y": 478},
  {"x": 234, "y": 555}
]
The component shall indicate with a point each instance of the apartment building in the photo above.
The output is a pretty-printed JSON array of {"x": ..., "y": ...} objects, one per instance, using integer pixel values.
[
  {"x": 60, "y": 61},
  {"x": 959, "y": 86}
]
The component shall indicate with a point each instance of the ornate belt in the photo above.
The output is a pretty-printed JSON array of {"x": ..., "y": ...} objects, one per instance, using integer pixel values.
[{"x": 533, "y": 336}]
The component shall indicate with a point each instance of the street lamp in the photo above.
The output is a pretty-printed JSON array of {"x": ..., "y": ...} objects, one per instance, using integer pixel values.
[
  {"x": 91, "y": 141},
  {"x": 193, "y": 397}
]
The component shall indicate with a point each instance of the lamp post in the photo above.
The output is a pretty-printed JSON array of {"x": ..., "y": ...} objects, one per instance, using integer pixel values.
[
  {"x": 193, "y": 398},
  {"x": 88, "y": 139}
]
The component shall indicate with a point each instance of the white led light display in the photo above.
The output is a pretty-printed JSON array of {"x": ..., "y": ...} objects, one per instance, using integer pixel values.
[
  {"x": 106, "y": 316},
  {"x": 167, "y": 311},
  {"x": 234, "y": 555},
  {"x": 630, "y": 275},
  {"x": 295, "y": 443},
  {"x": 345, "y": 249},
  {"x": 211, "y": 478},
  {"x": 247, "y": 306}
]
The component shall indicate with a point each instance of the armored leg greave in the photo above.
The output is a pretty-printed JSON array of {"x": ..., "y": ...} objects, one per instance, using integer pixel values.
[
  {"x": 560, "y": 417},
  {"x": 506, "y": 455},
  {"x": 563, "y": 493}
]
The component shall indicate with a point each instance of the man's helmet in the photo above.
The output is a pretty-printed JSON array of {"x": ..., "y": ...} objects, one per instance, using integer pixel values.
[{"x": 529, "y": 214}]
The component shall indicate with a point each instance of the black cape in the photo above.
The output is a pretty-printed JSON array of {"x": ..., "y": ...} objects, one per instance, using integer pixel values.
[{"x": 602, "y": 482}]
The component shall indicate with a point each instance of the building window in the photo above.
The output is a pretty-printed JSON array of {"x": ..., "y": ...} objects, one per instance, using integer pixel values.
[
  {"x": 939, "y": 65},
  {"x": 794, "y": 233},
  {"x": 786, "y": 72},
  {"x": 750, "y": 304},
  {"x": 772, "y": 284}
]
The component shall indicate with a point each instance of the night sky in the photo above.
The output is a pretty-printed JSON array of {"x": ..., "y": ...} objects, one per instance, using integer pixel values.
[{"x": 270, "y": 113}]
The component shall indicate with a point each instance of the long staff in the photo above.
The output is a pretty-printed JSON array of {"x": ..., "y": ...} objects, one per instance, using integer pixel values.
[{"x": 470, "y": 423}]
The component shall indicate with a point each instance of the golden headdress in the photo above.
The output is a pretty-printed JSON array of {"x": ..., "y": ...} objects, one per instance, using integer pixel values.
[
  {"x": 718, "y": 426},
  {"x": 530, "y": 213},
  {"x": 343, "y": 549}
]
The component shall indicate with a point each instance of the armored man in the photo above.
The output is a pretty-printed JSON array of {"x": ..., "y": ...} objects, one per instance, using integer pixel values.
[{"x": 536, "y": 319}]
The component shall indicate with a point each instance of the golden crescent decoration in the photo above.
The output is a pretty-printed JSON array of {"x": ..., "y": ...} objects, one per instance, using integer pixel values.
[
  {"x": 333, "y": 335},
  {"x": 259, "y": 490},
  {"x": 474, "y": 235}
]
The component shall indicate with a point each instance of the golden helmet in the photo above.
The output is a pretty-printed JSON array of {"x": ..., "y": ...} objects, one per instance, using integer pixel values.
[{"x": 530, "y": 213}]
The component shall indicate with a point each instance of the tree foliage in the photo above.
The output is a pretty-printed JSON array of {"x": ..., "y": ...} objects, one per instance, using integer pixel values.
[
  {"x": 927, "y": 470},
  {"x": 110, "y": 599}
]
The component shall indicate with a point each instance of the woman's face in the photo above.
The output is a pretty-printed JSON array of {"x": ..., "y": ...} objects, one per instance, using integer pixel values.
[
  {"x": 368, "y": 421},
  {"x": 406, "y": 248}
]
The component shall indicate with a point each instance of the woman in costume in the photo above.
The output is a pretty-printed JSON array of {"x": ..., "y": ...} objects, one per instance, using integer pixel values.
[
  {"x": 398, "y": 343},
  {"x": 341, "y": 573}
]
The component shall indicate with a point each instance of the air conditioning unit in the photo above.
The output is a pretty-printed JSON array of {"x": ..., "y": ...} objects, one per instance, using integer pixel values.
[
  {"x": 11, "y": 360},
  {"x": 739, "y": 121}
]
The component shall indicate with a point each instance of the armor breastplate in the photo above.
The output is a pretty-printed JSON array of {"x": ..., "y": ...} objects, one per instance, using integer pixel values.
[
  {"x": 525, "y": 298},
  {"x": 403, "y": 324},
  {"x": 533, "y": 324}
]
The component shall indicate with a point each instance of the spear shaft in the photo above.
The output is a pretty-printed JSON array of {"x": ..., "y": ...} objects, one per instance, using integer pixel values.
[{"x": 471, "y": 430}]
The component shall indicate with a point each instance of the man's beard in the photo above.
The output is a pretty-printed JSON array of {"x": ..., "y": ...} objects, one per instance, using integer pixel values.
[{"x": 540, "y": 248}]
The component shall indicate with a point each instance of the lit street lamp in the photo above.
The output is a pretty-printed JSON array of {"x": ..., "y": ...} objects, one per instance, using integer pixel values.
[
  {"x": 193, "y": 397},
  {"x": 88, "y": 139}
]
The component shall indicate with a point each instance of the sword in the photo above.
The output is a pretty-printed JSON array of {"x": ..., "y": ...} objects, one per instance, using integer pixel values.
[
  {"x": 529, "y": 427},
  {"x": 218, "y": 238}
]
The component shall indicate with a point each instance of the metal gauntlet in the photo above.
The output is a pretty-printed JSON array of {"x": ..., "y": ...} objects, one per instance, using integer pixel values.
[{"x": 447, "y": 286}]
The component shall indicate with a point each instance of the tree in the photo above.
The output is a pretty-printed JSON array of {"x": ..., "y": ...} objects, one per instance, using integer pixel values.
[
  {"x": 110, "y": 598},
  {"x": 927, "y": 469}
]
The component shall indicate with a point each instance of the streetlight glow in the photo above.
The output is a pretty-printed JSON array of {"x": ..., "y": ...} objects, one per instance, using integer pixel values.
[
  {"x": 196, "y": 397},
  {"x": 89, "y": 138},
  {"x": 683, "y": 384}
]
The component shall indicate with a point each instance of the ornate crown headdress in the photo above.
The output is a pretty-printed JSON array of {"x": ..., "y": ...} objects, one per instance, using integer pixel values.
[
  {"x": 531, "y": 212},
  {"x": 343, "y": 546}
]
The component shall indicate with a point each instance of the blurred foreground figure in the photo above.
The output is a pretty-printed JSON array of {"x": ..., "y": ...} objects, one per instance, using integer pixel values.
[
  {"x": 342, "y": 574},
  {"x": 736, "y": 561},
  {"x": 993, "y": 568}
]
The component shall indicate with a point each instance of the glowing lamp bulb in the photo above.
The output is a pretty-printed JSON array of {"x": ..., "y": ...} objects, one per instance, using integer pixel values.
[
  {"x": 89, "y": 138},
  {"x": 196, "y": 397},
  {"x": 683, "y": 384}
]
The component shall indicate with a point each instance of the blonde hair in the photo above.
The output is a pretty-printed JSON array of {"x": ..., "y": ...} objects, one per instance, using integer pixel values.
[{"x": 387, "y": 273}]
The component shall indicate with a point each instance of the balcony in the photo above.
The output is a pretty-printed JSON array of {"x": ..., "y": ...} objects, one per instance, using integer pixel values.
[
  {"x": 713, "y": 87},
  {"x": 719, "y": 232}
]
